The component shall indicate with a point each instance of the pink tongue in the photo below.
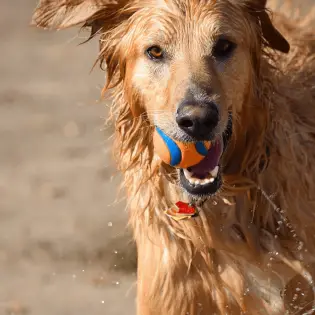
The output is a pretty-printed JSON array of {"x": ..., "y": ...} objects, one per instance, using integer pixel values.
[{"x": 209, "y": 162}]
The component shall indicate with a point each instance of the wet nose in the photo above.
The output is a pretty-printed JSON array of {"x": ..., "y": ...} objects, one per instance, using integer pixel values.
[{"x": 198, "y": 120}]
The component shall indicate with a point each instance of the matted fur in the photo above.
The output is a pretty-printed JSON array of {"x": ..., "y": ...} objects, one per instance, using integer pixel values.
[{"x": 252, "y": 247}]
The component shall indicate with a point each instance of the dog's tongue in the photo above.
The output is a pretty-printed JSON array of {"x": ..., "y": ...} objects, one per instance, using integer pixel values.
[{"x": 209, "y": 162}]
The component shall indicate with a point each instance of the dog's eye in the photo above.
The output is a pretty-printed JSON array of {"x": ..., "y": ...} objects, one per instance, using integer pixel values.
[
  {"x": 223, "y": 48},
  {"x": 155, "y": 53}
]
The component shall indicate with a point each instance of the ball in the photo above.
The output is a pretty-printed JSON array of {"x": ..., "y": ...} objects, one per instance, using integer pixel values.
[{"x": 179, "y": 154}]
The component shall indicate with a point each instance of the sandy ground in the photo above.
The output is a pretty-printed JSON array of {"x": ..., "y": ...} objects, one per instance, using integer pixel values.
[{"x": 64, "y": 249}]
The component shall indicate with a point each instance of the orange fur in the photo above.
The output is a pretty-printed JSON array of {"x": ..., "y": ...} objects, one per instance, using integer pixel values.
[{"x": 256, "y": 237}]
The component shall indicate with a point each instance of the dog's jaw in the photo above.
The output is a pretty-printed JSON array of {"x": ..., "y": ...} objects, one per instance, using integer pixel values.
[{"x": 205, "y": 179}]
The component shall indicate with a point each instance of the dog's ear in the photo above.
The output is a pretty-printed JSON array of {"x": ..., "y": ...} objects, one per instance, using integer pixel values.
[
  {"x": 271, "y": 35},
  {"x": 60, "y": 14}
]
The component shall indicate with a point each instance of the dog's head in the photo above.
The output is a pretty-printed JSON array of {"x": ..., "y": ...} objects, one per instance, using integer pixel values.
[{"x": 190, "y": 64}]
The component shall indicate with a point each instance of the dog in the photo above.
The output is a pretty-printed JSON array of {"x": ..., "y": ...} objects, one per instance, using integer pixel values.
[{"x": 234, "y": 73}]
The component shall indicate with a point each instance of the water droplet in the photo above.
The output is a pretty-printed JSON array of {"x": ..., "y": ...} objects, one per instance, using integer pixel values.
[
  {"x": 115, "y": 251},
  {"x": 246, "y": 291},
  {"x": 110, "y": 224},
  {"x": 103, "y": 302}
]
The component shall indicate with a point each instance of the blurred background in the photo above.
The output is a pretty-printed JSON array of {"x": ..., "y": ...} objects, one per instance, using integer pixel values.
[{"x": 64, "y": 246}]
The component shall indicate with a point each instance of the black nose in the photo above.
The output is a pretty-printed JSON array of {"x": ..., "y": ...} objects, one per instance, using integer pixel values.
[{"x": 198, "y": 120}]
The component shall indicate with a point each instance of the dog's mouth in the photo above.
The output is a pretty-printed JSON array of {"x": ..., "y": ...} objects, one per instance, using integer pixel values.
[{"x": 205, "y": 178}]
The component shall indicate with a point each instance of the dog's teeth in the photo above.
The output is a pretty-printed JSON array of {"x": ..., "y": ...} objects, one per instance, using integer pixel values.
[
  {"x": 215, "y": 171},
  {"x": 194, "y": 181},
  {"x": 187, "y": 174}
]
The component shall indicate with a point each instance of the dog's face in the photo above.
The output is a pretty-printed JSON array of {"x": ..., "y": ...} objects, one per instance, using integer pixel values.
[
  {"x": 193, "y": 68},
  {"x": 190, "y": 71},
  {"x": 191, "y": 63}
]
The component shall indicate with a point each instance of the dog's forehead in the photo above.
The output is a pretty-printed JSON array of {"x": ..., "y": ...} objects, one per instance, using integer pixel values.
[
  {"x": 192, "y": 9},
  {"x": 180, "y": 19}
]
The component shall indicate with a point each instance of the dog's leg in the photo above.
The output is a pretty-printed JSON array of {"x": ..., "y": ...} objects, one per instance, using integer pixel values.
[
  {"x": 143, "y": 306},
  {"x": 146, "y": 272}
]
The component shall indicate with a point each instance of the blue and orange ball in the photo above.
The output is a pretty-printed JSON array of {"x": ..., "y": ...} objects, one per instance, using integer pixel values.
[{"x": 179, "y": 154}]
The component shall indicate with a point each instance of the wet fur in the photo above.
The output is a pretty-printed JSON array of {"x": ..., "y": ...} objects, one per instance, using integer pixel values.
[{"x": 253, "y": 243}]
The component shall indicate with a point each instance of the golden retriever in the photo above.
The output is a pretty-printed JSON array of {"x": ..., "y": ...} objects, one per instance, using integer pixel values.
[{"x": 230, "y": 72}]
